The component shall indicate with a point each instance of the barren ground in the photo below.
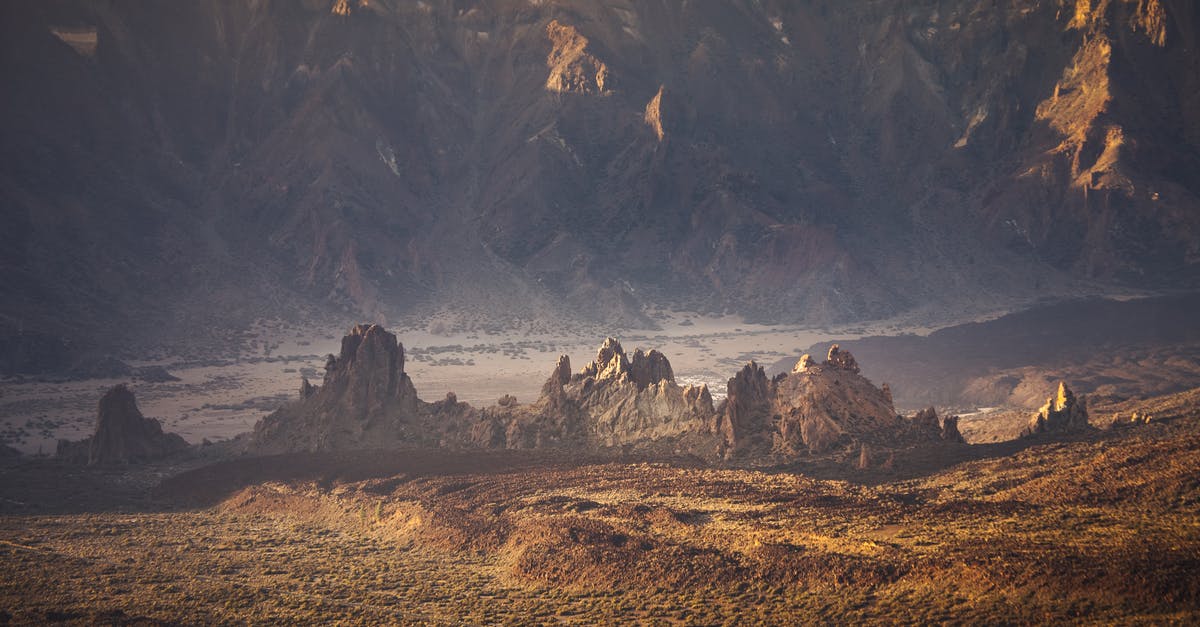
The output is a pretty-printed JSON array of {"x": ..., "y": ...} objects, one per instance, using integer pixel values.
[{"x": 1104, "y": 527}]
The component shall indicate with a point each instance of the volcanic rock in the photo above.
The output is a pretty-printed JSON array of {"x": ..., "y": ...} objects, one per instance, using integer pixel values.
[
  {"x": 928, "y": 427},
  {"x": 815, "y": 409},
  {"x": 123, "y": 435},
  {"x": 1062, "y": 413},
  {"x": 748, "y": 397},
  {"x": 306, "y": 389},
  {"x": 366, "y": 400},
  {"x": 839, "y": 358},
  {"x": 615, "y": 400},
  {"x": 950, "y": 432}
]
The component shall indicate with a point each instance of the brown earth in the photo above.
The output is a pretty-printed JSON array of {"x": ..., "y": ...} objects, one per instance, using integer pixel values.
[{"x": 1096, "y": 527}]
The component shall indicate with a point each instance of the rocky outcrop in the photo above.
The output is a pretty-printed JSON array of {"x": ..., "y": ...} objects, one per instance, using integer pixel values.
[
  {"x": 747, "y": 406},
  {"x": 928, "y": 427},
  {"x": 1062, "y": 413},
  {"x": 841, "y": 359},
  {"x": 366, "y": 400},
  {"x": 950, "y": 432},
  {"x": 817, "y": 408},
  {"x": 123, "y": 435},
  {"x": 614, "y": 401}
]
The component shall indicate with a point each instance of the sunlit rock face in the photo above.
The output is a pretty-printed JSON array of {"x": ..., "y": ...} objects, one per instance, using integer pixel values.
[
  {"x": 818, "y": 408},
  {"x": 786, "y": 160},
  {"x": 614, "y": 401},
  {"x": 123, "y": 435},
  {"x": 1062, "y": 413}
]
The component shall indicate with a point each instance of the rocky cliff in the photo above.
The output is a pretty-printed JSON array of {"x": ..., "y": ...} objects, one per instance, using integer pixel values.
[
  {"x": 818, "y": 161},
  {"x": 123, "y": 435}
]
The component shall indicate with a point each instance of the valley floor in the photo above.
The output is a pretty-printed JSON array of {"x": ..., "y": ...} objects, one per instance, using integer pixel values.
[{"x": 1103, "y": 527}]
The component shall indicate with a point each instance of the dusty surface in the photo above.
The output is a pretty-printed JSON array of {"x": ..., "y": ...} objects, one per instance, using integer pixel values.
[{"x": 1102, "y": 527}]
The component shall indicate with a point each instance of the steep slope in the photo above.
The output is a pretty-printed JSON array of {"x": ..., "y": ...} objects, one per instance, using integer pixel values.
[{"x": 811, "y": 161}]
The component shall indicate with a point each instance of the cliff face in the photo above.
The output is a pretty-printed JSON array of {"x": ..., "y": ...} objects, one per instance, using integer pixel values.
[{"x": 820, "y": 160}]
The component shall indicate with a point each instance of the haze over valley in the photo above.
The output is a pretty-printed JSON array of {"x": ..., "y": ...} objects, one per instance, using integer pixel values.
[{"x": 536, "y": 311}]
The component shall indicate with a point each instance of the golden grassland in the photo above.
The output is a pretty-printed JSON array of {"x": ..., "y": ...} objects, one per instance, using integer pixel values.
[{"x": 1103, "y": 527}]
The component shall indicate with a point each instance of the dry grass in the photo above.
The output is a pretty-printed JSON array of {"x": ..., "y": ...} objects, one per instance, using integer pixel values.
[{"x": 1101, "y": 528}]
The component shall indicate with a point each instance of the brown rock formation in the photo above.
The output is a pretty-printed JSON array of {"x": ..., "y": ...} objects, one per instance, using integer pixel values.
[
  {"x": 613, "y": 401},
  {"x": 950, "y": 432},
  {"x": 747, "y": 406},
  {"x": 123, "y": 435},
  {"x": 1062, "y": 413},
  {"x": 307, "y": 389},
  {"x": 839, "y": 358},
  {"x": 366, "y": 400},
  {"x": 815, "y": 409}
]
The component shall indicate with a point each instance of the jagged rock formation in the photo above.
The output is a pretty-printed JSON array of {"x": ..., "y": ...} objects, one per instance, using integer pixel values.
[
  {"x": 123, "y": 435},
  {"x": 816, "y": 408},
  {"x": 950, "y": 432},
  {"x": 615, "y": 400},
  {"x": 1062, "y": 413},
  {"x": 928, "y": 426},
  {"x": 365, "y": 400}
]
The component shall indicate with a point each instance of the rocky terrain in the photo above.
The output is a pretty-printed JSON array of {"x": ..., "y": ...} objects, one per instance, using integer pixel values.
[
  {"x": 1095, "y": 527},
  {"x": 169, "y": 174},
  {"x": 615, "y": 402},
  {"x": 123, "y": 435}
]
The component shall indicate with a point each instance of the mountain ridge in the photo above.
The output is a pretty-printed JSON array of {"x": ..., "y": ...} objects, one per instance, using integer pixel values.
[{"x": 785, "y": 161}]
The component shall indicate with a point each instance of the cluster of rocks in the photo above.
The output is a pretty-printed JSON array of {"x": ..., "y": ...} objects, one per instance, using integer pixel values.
[
  {"x": 365, "y": 399},
  {"x": 123, "y": 435},
  {"x": 817, "y": 408},
  {"x": 1062, "y": 413},
  {"x": 618, "y": 400},
  {"x": 1134, "y": 419}
]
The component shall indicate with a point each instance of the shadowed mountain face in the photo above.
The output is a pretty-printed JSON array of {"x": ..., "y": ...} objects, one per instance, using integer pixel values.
[{"x": 175, "y": 163}]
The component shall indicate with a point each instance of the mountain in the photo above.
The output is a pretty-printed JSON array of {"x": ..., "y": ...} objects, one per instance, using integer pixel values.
[{"x": 180, "y": 166}]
